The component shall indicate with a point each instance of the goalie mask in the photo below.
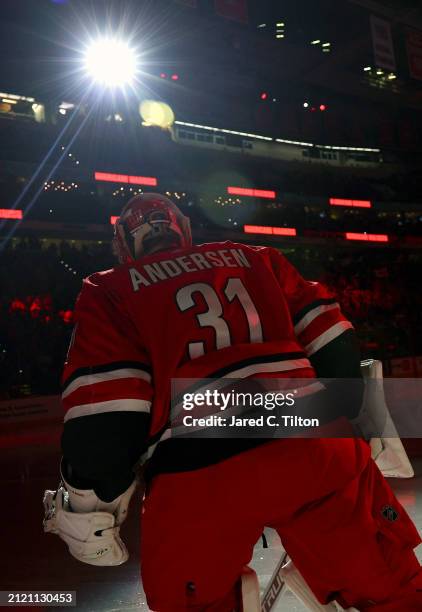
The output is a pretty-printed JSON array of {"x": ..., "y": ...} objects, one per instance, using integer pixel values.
[{"x": 149, "y": 223}]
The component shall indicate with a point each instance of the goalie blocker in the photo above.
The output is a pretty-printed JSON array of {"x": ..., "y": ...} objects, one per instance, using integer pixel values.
[{"x": 89, "y": 526}]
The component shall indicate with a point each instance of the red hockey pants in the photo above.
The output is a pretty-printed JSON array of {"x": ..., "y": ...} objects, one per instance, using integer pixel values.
[{"x": 336, "y": 515}]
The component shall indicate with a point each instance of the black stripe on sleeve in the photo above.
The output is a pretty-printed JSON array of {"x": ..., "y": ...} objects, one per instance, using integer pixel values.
[
  {"x": 304, "y": 311},
  {"x": 107, "y": 367}
]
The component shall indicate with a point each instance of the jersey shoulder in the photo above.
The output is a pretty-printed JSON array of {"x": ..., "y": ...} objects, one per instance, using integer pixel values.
[
  {"x": 98, "y": 286},
  {"x": 100, "y": 278},
  {"x": 269, "y": 256}
]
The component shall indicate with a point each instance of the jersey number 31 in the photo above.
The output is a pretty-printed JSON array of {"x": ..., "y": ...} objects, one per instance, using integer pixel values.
[{"x": 213, "y": 317}]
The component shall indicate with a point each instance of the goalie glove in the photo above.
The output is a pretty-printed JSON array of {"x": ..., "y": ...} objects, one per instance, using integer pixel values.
[{"x": 89, "y": 526}]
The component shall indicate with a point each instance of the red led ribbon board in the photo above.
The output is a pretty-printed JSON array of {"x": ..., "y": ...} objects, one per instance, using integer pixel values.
[
  {"x": 9, "y": 213},
  {"x": 366, "y": 237},
  {"x": 253, "y": 193},
  {"x": 351, "y": 203},
  {"x": 273, "y": 231},
  {"x": 126, "y": 178}
]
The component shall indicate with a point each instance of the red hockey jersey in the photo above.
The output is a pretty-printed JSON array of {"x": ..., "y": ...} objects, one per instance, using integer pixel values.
[{"x": 213, "y": 310}]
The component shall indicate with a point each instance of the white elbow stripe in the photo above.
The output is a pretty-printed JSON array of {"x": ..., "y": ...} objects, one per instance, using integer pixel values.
[
  {"x": 99, "y": 377},
  {"x": 116, "y": 405},
  {"x": 312, "y": 315},
  {"x": 331, "y": 334}
]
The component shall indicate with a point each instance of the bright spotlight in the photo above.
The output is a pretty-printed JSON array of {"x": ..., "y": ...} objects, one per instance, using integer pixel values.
[{"x": 111, "y": 62}]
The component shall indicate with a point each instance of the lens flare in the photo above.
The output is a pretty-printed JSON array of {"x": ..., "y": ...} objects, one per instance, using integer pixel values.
[{"x": 111, "y": 62}]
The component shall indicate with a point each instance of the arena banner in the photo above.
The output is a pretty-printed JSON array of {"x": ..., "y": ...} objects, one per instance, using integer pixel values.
[
  {"x": 382, "y": 42},
  {"x": 414, "y": 53},
  {"x": 28, "y": 410},
  {"x": 232, "y": 9}
]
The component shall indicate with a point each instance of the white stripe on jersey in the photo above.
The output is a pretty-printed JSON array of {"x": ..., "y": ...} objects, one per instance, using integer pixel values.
[
  {"x": 92, "y": 379},
  {"x": 312, "y": 315},
  {"x": 116, "y": 405},
  {"x": 306, "y": 390},
  {"x": 255, "y": 368},
  {"x": 331, "y": 334},
  {"x": 273, "y": 366}
]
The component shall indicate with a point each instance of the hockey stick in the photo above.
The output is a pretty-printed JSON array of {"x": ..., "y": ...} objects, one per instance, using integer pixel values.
[{"x": 274, "y": 587}]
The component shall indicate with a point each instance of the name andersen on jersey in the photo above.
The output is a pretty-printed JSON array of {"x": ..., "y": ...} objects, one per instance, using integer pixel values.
[{"x": 148, "y": 274}]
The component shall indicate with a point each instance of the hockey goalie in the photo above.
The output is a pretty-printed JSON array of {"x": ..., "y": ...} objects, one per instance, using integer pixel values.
[{"x": 173, "y": 310}]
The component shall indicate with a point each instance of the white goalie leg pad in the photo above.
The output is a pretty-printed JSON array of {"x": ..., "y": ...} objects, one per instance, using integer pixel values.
[
  {"x": 387, "y": 450},
  {"x": 92, "y": 536},
  {"x": 297, "y": 585},
  {"x": 250, "y": 590}
]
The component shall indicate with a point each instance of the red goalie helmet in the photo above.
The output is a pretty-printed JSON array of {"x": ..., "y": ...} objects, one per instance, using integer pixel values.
[{"x": 148, "y": 223}]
